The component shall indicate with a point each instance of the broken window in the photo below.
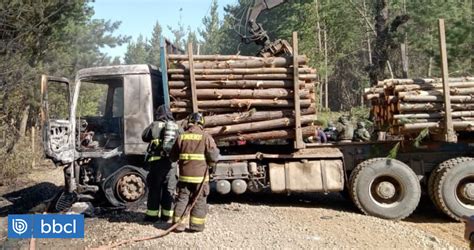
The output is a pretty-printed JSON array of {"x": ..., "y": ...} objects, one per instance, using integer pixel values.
[{"x": 100, "y": 113}]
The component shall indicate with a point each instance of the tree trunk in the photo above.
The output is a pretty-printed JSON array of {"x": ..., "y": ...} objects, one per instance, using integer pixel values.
[
  {"x": 254, "y": 63},
  {"x": 24, "y": 122},
  {"x": 244, "y": 71},
  {"x": 242, "y": 84},
  {"x": 251, "y": 116},
  {"x": 212, "y": 57},
  {"x": 240, "y": 103},
  {"x": 275, "y": 134},
  {"x": 244, "y": 77},
  {"x": 439, "y": 98},
  {"x": 258, "y": 126},
  {"x": 240, "y": 93}
]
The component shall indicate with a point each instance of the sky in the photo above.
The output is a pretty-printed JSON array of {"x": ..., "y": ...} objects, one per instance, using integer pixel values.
[{"x": 139, "y": 16}]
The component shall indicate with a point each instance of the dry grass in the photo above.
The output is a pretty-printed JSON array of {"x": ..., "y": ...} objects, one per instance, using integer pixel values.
[{"x": 19, "y": 160}]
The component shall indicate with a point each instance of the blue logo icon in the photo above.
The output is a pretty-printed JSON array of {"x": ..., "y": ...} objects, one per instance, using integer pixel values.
[{"x": 46, "y": 226}]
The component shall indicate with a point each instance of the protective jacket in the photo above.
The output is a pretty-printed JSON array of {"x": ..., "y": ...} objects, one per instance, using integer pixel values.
[{"x": 193, "y": 150}]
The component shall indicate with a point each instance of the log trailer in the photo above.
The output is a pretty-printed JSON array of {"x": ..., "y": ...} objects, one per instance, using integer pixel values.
[{"x": 99, "y": 144}]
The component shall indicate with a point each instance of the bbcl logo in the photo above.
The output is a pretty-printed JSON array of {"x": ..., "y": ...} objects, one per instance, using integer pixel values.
[
  {"x": 19, "y": 226},
  {"x": 45, "y": 226}
]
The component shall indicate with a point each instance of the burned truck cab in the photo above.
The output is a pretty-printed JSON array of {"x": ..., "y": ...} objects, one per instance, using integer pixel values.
[{"x": 93, "y": 127}]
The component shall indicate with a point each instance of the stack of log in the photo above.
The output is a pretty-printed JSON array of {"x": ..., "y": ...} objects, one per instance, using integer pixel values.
[
  {"x": 243, "y": 97},
  {"x": 406, "y": 106}
]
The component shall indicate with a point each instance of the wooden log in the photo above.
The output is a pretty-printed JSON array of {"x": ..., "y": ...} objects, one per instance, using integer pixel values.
[
  {"x": 420, "y": 126},
  {"x": 240, "y": 93},
  {"x": 432, "y": 98},
  {"x": 411, "y": 107},
  {"x": 437, "y": 92},
  {"x": 458, "y": 125},
  {"x": 240, "y": 103},
  {"x": 401, "y": 95},
  {"x": 431, "y": 86},
  {"x": 392, "y": 82},
  {"x": 454, "y": 114},
  {"x": 373, "y": 96},
  {"x": 252, "y": 63},
  {"x": 203, "y": 110},
  {"x": 373, "y": 90},
  {"x": 258, "y": 126},
  {"x": 251, "y": 116},
  {"x": 242, "y": 84},
  {"x": 212, "y": 57},
  {"x": 244, "y": 77},
  {"x": 245, "y": 71},
  {"x": 268, "y": 135},
  {"x": 413, "y": 121}
]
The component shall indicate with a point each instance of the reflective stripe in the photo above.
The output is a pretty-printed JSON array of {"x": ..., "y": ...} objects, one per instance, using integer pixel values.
[
  {"x": 193, "y": 179},
  {"x": 154, "y": 158},
  {"x": 155, "y": 142},
  {"x": 197, "y": 220},
  {"x": 154, "y": 213},
  {"x": 168, "y": 213},
  {"x": 191, "y": 137},
  {"x": 192, "y": 157}
]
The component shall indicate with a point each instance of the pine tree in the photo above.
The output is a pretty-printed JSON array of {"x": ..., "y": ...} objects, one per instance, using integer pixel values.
[
  {"x": 154, "y": 51},
  {"x": 211, "y": 32},
  {"x": 136, "y": 51},
  {"x": 192, "y": 38}
]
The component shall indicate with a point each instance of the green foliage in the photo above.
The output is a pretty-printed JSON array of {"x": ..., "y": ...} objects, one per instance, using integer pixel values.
[
  {"x": 47, "y": 37},
  {"x": 392, "y": 154},
  {"x": 154, "y": 51},
  {"x": 421, "y": 136},
  {"x": 211, "y": 33},
  {"x": 137, "y": 52},
  {"x": 92, "y": 99}
]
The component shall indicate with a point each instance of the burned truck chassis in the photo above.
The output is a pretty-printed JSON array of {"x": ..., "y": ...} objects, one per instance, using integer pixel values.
[{"x": 122, "y": 182}]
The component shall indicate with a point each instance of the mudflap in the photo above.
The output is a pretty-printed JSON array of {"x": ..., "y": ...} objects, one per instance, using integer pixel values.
[
  {"x": 109, "y": 185},
  {"x": 62, "y": 202}
]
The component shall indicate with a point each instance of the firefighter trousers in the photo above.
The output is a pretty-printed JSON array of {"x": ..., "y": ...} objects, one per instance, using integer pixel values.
[
  {"x": 186, "y": 194},
  {"x": 161, "y": 182}
]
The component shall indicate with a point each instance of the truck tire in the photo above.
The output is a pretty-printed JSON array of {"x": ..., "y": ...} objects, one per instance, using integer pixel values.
[
  {"x": 385, "y": 188},
  {"x": 454, "y": 188},
  {"x": 434, "y": 174}
]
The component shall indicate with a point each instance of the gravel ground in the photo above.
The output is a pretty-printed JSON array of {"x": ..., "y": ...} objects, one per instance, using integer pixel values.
[{"x": 254, "y": 221}]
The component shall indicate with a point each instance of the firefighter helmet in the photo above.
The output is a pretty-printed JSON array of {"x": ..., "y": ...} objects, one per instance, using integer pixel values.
[{"x": 196, "y": 118}]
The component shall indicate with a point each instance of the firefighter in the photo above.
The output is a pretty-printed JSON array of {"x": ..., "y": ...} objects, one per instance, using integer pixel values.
[
  {"x": 345, "y": 130},
  {"x": 195, "y": 150},
  {"x": 361, "y": 134},
  {"x": 161, "y": 180}
]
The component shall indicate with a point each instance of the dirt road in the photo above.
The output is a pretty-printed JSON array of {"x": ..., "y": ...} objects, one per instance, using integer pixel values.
[{"x": 263, "y": 220}]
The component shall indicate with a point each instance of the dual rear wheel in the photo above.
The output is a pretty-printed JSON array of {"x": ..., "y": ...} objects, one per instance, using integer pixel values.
[
  {"x": 451, "y": 187},
  {"x": 389, "y": 189}
]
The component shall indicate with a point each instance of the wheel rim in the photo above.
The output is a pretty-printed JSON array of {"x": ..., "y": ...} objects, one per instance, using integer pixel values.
[
  {"x": 465, "y": 192},
  {"x": 130, "y": 187},
  {"x": 386, "y": 191}
]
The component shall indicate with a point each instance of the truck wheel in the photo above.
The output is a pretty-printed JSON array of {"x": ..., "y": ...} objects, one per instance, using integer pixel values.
[
  {"x": 385, "y": 188},
  {"x": 435, "y": 173},
  {"x": 454, "y": 188},
  {"x": 130, "y": 186}
]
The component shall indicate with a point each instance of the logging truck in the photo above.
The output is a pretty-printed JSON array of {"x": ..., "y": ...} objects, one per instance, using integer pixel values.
[{"x": 260, "y": 111}]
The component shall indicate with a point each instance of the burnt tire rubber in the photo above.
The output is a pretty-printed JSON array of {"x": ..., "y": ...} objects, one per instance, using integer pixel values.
[
  {"x": 392, "y": 178},
  {"x": 435, "y": 173},
  {"x": 447, "y": 184}
]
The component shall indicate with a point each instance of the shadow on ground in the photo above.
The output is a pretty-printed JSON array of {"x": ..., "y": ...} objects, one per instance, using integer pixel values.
[{"x": 30, "y": 199}]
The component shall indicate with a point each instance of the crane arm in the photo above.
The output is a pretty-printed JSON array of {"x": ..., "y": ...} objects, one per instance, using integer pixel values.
[{"x": 259, "y": 35}]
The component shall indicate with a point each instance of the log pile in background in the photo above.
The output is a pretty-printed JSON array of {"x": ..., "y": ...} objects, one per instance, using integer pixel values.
[
  {"x": 243, "y": 97},
  {"x": 407, "y": 106}
]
